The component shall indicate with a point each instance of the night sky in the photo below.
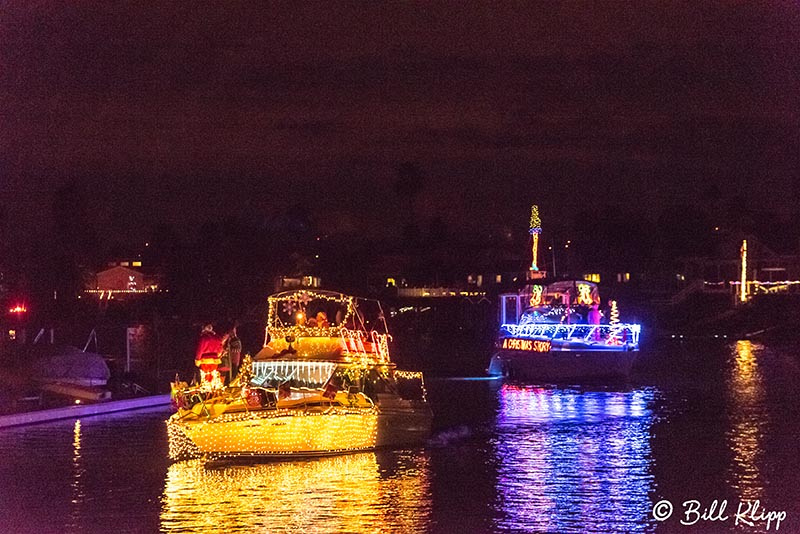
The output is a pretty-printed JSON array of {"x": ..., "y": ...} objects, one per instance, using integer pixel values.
[{"x": 180, "y": 113}]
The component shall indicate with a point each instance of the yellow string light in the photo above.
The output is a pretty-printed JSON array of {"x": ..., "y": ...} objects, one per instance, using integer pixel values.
[{"x": 219, "y": 421}]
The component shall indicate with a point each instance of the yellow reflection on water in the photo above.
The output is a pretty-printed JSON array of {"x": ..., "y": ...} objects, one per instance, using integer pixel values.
[
  {"x": 78, "y": 492},
  {"x": 748, "y": 419},
  {"x": 363, "y": 492},
  {"x": 76, "y": 438}
]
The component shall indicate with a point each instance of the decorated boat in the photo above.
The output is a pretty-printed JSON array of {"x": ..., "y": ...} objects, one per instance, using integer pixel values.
[
  {"x": 323, "y": 383},
  {"x": 556, "y": 332}
]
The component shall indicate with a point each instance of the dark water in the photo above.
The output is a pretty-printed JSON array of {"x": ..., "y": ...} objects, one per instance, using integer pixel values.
[{"x": 695, "y": 423}]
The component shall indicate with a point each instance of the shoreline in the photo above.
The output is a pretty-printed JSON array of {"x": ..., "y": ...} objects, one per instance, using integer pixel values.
[{"x": 84, "y": 410}]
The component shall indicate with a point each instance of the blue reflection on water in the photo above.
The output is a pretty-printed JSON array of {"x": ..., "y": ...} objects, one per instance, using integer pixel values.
[{"x": 572, "y": 460}]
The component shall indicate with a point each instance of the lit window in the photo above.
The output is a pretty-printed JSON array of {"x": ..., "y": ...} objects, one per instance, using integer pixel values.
[
  {"x": 592, "y": 277},
  {"x": 498, "y": 279},
  {"x": 137, "y": 264},
  {"x": 124, "y": 263}
]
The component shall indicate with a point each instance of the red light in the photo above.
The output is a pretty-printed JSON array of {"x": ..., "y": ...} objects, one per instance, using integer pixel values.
[{"x": 19, "y": 308}]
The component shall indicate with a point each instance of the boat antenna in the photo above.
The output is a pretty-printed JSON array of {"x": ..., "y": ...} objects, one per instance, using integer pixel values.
[{"x": 383, "y": 317}]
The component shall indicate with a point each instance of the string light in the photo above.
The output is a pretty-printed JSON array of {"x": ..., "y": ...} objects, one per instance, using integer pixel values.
[
  {"x": 614, "y": 314},
  {"x": 317, "y": 425},
  {"x": 536, "y": 296},
  {"x": 613, "y": 319},
  {"x": 291, "y": 301},
  {"x": 535, "y": 230},
  {"x": 743, "y": 287},
  {"x": 600, "y": 335},
  {"x": 306, "y": 398},
  {"x": 585, "y": 294},
  {"x": 414, "y": 375}
]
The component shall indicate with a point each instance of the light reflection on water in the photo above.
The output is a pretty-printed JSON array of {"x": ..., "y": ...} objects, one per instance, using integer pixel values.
[
  {"x": 724, "y": 422},
  {"x": 365, "y": 492},
  {"x": 77, "y": 490},
  {"x": 749, "y": 419},
  {"x": 573, "y": 460}
]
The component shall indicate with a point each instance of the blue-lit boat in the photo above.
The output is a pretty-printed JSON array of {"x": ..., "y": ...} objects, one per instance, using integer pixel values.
[{"x": 555, "y": 333}]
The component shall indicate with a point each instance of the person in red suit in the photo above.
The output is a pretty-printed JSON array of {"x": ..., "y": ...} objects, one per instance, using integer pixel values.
[{"x": 209, "y": 348}]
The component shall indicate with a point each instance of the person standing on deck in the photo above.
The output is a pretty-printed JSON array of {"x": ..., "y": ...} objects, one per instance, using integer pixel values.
[
  {"x": 207, "y": 358},
  {"x": 233, "y": 346},
  {"x": 594, "y": 316}
]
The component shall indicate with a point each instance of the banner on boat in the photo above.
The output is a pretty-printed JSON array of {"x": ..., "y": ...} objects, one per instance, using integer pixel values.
[{"x": 531, "y": 345}]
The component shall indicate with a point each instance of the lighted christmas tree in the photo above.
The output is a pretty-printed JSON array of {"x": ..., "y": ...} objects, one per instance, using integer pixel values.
[
  {"x": 613, "y": 320},
  {"x": 614, "y": 313}
]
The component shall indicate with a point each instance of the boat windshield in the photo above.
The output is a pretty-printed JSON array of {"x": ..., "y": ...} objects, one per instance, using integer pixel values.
[
  {"x": 552, "y": 303},
  {"x": 310, "y": 309},
  {"x": 317, "y": 313},
  {"x": 576, "y": 292}
]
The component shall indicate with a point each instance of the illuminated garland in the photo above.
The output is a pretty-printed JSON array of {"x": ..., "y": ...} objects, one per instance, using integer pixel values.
[
  {"x": 282, "y": 370},
  {"x": 414, "y": 375},
  {"x": 253, "y": 415},
  {"x": 254, "y": 434},
  {"x": 536, "y": 296},
  {"x": 294, "y": 300},
  {"x": 613, "y": 320},
  {"x": 758, "y": 283},
  {"x": 578, "y": 332},
  {"x": 585, "y": 294},
  {"x": 278, "y": 332},
  {"x": 614, "y": 314},
  {"x": 743, "y": 287},
  {"x": 537, "y": 316},
  {"x": 242, "y": 420},
  {"x": 535, "y": 230},
  {"x": 536, "y": 222}
]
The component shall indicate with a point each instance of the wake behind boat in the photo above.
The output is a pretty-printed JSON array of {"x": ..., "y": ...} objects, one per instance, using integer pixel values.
[{"x": 317, "y": 387}]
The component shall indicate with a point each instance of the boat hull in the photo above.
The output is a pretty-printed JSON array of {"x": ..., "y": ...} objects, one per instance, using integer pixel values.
[
  {"x": 560, "y": 366},
  {"x": 297, "y": 433}
]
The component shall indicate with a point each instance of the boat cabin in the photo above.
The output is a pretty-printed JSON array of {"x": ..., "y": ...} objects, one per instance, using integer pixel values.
[{"x": 549, "y": 302}]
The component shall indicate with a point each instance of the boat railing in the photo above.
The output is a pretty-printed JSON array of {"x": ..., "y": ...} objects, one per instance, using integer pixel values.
[
  {"x": 354, "y": 343},
  {"x": 608, "y": 334},
  {"x": 381, "y": 344}
]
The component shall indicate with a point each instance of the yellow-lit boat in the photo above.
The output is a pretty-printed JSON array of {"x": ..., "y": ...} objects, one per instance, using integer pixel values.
[{"x": 319, "y": 386}]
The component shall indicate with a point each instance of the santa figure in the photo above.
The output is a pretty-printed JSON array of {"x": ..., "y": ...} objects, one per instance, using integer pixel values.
[{"x": 207, "y": 358}]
